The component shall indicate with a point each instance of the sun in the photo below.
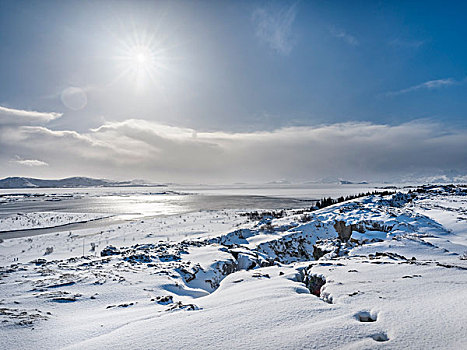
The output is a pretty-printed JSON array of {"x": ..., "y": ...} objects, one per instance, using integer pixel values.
[{"x": 142, "y": 59}]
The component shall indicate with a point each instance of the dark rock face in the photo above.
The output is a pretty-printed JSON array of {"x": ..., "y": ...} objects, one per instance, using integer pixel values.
[
  {"x": 344, "y": 232},
  {"x": 314, "y": 284},
  {"x": 110, "y": 250},
  {"x": 180, "y": 306},
  {"x": 164, "y": 300},
  {"x": 288, "y": 248},
  {"x": 135, "y": 258},
  {"x": 319, "y": 252}
]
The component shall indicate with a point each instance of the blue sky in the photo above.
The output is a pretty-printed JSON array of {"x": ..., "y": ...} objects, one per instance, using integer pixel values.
[{"x": 230, "y": 69}]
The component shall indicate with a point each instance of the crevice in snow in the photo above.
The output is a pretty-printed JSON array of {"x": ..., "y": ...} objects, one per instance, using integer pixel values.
[
  {"x": 314, "y": 283},
  {"x": 366, "y": 316},
  {"x": 380, "y": 337}
]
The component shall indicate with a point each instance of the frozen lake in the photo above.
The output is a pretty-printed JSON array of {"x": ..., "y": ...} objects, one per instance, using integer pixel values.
[{"x": 140, "y": 202}]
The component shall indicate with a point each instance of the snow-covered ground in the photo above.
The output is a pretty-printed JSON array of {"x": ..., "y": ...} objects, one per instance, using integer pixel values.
[
  {"x": 375, "y": 272},
  {"x": 25, "y": 221}
]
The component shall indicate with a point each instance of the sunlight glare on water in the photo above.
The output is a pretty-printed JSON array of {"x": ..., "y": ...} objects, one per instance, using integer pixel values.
[{"x": 135, "y": 206}]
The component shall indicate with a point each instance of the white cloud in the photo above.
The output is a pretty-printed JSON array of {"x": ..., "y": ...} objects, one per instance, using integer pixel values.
[
  {"x": 274, "y": 26},
  {"x": 341, "y": 34},
  {"x": 28, "y": 162},
  {"x": 428, "y": 85},
  {"x": 10, "y": 116},
  {"x": 142, "y": 149}
]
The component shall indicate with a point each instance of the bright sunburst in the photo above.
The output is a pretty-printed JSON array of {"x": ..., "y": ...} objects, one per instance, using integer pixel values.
[{"x": 142, "y": 58}]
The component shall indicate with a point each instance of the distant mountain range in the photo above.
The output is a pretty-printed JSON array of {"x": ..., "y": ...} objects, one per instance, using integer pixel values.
[
  {"x": 70, "y": 182},
  {"x": 336, "y": 180}
]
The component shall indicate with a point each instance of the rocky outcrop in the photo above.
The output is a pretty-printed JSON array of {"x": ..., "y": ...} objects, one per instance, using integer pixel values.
[{"x": 344, "y": 231}]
